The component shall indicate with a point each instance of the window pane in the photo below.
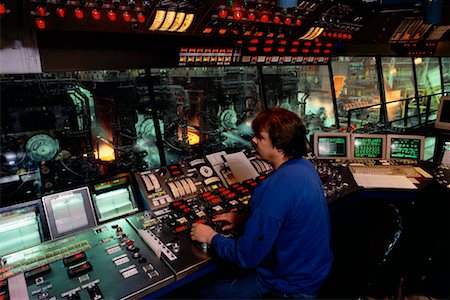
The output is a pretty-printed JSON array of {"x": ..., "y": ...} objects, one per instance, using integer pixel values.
[
  {"x": 446, "y": 73},
  {"x": 428, "y": 83},
  {"x": 205, "y": 109},
  {"x": 304, "y": 90},
  {"x": 356, "y": 86},
  {"x": 398, "y": 84}
]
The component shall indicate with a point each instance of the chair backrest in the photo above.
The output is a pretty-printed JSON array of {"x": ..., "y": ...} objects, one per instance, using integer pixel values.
[{"x": 363, "y": 237}]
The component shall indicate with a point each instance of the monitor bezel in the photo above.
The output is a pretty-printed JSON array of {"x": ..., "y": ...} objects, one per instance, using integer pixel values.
[
  {"x": 404, "y": 136},
  {"x": 318, "y": 135},
  {"x": 46, "y": 201},
  {"x": 368, "y": 135},
  {"x": 438, "y": 124}
]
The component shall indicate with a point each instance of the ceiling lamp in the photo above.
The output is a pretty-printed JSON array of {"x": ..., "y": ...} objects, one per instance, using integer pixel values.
[
  {"x": 168, "y": 21},
  {"x": 178, "y": 21},
  {"x": 171, "y": 21},
  {"x": 159, "y": 19},
  {"x": 187, "y": 23}
]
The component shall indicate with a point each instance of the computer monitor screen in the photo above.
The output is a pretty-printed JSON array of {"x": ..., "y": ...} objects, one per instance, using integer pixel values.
[
  {"x": 443, "y": 116},
  {"x": 405, "y": 147},
  {"x": 368, "y": 146},
  {"x": 113, "y": 198},
  {"x": 21, "y": 226},
  {"x": 331, "y": 145},
  {"x": 68, "y": 212}
]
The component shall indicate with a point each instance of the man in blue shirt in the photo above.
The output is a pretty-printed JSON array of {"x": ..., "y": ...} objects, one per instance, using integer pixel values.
[{"x": 285, "y": 238}]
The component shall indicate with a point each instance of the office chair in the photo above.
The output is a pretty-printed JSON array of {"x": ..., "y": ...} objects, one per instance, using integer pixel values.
[{"x": 364, "y": 236}]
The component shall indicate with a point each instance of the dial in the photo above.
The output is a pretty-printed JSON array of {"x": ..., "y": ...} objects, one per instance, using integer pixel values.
[{"x": 206, "y": 171}]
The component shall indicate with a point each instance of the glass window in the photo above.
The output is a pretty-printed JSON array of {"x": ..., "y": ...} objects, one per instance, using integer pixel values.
[
  {"x": 428, "y": 83},
  {"x": 304, "y": 90},
  {"x": 399, "y": 84},
  {"x": 205, "y": 109},
  {"x": 446, "y": 73},
  {"x": 356, "y": 87}
]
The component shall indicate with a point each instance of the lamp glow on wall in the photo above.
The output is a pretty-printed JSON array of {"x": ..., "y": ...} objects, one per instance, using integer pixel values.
[{"x": 171, "y": 21}]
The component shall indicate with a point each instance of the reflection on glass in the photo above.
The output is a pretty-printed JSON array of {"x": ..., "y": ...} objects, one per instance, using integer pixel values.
[
  {"x": 206, "y": 109},
  {"x": 304, "y": 90},
  {"x": 398, "y": 84},
  {"x": 446, "y": 73},
  {"x": 428, "y": 83},
  {"x": 356, "y": 85}
]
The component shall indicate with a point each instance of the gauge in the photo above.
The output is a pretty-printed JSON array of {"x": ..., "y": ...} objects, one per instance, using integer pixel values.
[{"x": 206, "y": 171}]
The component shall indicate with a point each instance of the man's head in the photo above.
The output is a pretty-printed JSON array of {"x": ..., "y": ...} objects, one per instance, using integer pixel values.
[{"x": 285, "y": 129}]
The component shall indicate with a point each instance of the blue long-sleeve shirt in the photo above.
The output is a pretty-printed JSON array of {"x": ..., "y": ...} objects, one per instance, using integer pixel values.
[{"x": 286, "y": 236}]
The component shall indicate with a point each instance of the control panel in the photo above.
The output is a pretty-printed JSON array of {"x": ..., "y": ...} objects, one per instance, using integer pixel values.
[{"x": 108, "y": 262}]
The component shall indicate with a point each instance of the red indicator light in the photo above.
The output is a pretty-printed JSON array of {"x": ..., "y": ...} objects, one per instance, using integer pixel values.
[
  {"x": 237, "y": 15},
  {"x": 288, "y": 21},
  {"x": 112, "y": 15},
  {"x": 264, "y": 18},
  {"x": 126, "y": 16},
  {"x": 340, "y": 35},
  {"x": 307, "y": 44},
  {"x": 305, "y": 50},
  {"x": 344, "y": 35},
  {"x": 254, "y": 41},
  {"x": 298, "y": 22},
  {"x": 269, "y": 42},
  {"x": 223, "y": 13},
  {"x": 141, "y": 18},
  {"x": 326, "y": 51},
  {"x": 349, "y": 36},
  {"x": 61, "y": 12},
  {"x": 329, "y": 45},
  {"x": 252, "y": 49},
  {"x": 277, "y": 20},
  {"x": 2, "y": 9},
  {"x": 251, "y": 17},
  {"x": 41, "y": 11},
  {"x": 78, "y": 255},
  {"x": 281, "y": 50},
  {"x": 294, "y": 50},
  {"x": 267, "y": 49},
  {"x": 79, "y": 14},
  {"x": 319, "y": 45},
  {"x": 295, "y": 43},
  {"x": 40, "y": 23},
  {"x": 335, "y": 35},
  {"x": 283, "y": 42},
  {"x": 316, "y": 51},
  {"x": 96, "y": 14},
  {"x": 222, "y": 31}
]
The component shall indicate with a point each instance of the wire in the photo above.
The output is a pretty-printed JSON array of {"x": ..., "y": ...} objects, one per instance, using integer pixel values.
[{"x": 70, "y": 170}]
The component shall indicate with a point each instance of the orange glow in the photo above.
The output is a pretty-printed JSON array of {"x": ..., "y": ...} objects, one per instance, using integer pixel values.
[
  {"x": 338, "y": 84},
  {"x": 105, "y": 152}
]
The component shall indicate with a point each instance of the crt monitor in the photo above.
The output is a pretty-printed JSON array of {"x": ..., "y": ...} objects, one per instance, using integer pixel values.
[
  {"x": 371, "y": 146},
  {"x": 443, "y": 116},
  {"x": 68, "y": 212},
  {"x": 405, "y": 147},
  {"x": 21, "y": 226},
  {"x": 113, "y": 198},
  {"x": 329, "y": 145}
]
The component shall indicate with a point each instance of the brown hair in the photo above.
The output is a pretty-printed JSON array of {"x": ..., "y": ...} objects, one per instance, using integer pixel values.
[{"x": 285, "y": 129}]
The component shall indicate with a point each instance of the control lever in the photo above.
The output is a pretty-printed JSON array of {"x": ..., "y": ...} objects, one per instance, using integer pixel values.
[{"x": 94, "y": 292}]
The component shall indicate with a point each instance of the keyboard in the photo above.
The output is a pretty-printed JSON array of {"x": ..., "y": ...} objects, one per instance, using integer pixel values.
[{"x": 408, "y": 171}]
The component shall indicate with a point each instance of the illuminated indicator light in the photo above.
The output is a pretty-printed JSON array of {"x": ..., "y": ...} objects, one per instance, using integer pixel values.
[
  {"x": 96, "y": 14},
  {"x": 126, "y": 16},
  {"x": 295, "y": 43},
  {"x": 344, "y": 35},
  {"x": 208, "y": 30},
  {"x": 79, "y": 14},
  {"x": 251, "y": 17},
  {"x": 298, "y": 22},
  {"x": 335, "y": 35},
  {"x": 307, "y": 44},
  {"x": 340, "y": 35},
  {"x": 237, "y": 15},
  {"x": 324, "y": 33},
  {"x": 329, "y": 45},
  {"x": 316, "y": 51},
  {"x": 349, "y": 36},
  {"x": 222, "y": 31},
  {"x": 61, "y": 12},
  {"x": 2, "y": 9},
  {"x": 305, "y": 50},
  {"x": 40, "y": 23},
  {"x": 140, "y": 18},
  {"x": 267, "y": 49},
  {"x": 264, "y": 18},
  {"x": 41, "y": 11},
  {"x": 254, "y": 41},
  {"x": 294, "y": 50},
  {"x": 239, "y": 42},
  {"x": 252, "y": 49},
  {"x": 112, "y": 16},
  {"x": 283, "y": 42},
  {"x": 277, "y": 20},
  {"x": 223, "y": 13},
  {"x": 159, "y": 18},
  {"x": 288, "y": 21},
  {"x": 179, "y": 18},
  {"x": 269, "y": 42},
  {"x": 318, "y": 44},
  {"x": 281, "y": 50},
  {"x": 316, "y": 40},
  {"x": 326, "y": 51},
  {"x": 187, "y": 23},
  {"x": 168, "y": 21}
]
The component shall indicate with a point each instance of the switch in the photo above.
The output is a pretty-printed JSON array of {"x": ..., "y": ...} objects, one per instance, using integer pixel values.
[{"x": 95, "y": 293}]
